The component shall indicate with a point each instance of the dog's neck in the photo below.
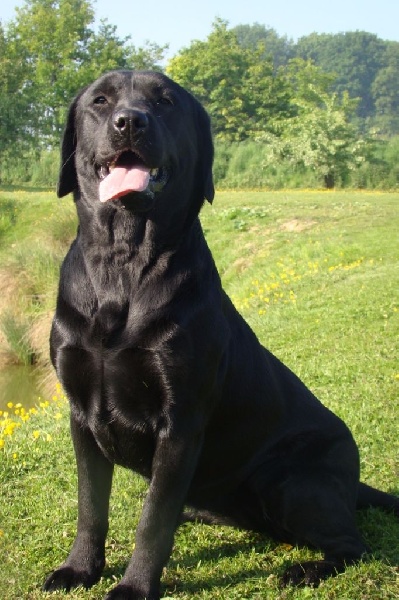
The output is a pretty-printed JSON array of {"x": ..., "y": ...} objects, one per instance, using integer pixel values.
[{"x": 124, "y": 253}]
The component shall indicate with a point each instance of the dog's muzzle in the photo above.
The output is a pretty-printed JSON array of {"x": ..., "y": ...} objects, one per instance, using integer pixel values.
[{"x": 127, "y": 173}]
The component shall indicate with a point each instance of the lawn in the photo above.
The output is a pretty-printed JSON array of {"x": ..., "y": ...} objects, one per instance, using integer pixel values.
[{"x": 317, "y": 277}]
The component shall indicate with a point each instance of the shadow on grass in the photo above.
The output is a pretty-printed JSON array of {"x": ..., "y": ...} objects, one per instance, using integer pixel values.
[
  {"x": 380, "y": 531},
  {"x": 183, "y": 574},
  {"x": 198, "y": 571}
]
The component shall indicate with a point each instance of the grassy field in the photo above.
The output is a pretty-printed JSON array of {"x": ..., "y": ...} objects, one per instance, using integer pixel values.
[{"x": 317, "y": 277}]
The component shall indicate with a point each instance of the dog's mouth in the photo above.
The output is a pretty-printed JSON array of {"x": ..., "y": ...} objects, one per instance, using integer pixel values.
[{"x": 127, "y": 173}]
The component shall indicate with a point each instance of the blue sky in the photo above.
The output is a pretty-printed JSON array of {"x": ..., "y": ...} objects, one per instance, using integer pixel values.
[{"x": 177, "y": 22}]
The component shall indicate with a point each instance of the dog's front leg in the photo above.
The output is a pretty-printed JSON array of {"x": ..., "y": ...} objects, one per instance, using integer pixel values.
[
  {"x": 173, "y": 468},
  {"x": 85, "y": 563}
]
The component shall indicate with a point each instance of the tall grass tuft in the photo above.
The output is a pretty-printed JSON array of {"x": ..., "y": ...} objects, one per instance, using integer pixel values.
[{"x": 15, "y": 330}]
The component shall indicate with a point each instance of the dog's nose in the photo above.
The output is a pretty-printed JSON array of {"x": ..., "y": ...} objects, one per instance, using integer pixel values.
[{"x": 130, "y": 121}]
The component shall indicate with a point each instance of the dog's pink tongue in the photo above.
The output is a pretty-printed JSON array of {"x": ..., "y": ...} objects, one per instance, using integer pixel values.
[{"x": 122, "y": 180}]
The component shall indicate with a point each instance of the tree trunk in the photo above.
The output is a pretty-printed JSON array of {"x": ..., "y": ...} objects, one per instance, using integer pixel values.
[{"x": 329, "y": 181}]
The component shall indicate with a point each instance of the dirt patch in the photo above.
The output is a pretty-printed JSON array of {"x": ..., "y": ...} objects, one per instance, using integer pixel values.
[
  {"x": 297, "y": 225},
  {"x": 241, "y": 264}
]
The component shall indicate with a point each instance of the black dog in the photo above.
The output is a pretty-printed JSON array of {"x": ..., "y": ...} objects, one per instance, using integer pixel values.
[{"x": 163, "y": 375}]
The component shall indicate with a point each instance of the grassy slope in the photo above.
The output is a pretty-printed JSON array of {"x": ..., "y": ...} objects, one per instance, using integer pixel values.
[
  {"x": 35, "y": 229},
  {"x": 317, "y": 277}
]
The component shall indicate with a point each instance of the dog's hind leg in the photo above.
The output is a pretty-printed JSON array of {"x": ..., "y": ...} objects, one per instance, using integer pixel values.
[
  {"x": 314, "y": 507},
  {"x": 316, "y": 511}
]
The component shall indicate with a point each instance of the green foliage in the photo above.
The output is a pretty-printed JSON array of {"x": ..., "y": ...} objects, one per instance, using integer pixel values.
[
  {"x": 236, "y": 85},
  {"x": 47, "y": 54},
  {"x": 321, "y": 138},
  {"x": 354, "y": 57},
  {"x": 278, "y": 48},
  {"x": 51, "y": 38},
  {"x": 263, "y": 165},
  {"x": 385, "y": 90},
  {"x": 307, "y": 81},
  {"x": 14, "y": 101},
  {"x": 30, "y": 167},
  {"x": 381, "y": 169}
]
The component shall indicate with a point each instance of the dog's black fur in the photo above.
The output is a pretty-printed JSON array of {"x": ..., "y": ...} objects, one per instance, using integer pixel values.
[{"x": 164, "y": 376}]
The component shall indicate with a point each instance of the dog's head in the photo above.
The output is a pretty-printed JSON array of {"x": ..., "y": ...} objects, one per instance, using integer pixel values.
[{"x": 133, "y": 138}]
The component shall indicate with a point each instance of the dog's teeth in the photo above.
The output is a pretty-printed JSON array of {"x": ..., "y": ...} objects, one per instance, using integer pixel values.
[
  {"x": 103, "y": 172},
  {"x": 154, "y": 172}
]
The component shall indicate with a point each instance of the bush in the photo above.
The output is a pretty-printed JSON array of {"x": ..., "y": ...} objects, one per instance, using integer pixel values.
[
  {"x": 39, "y": 169},
  {"x": 251, "y": 165}
]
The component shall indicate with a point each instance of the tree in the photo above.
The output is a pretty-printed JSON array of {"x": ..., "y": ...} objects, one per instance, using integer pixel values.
[
  {"x": 385, "y": 90},
  {"x": 51, "y": 38},
  {"x": 236, "y": 84},
  {"x": 277, "y": 48},
  {"x": 54, "y": 52},
  {"x": 106, "y": 51},
  {"x": 321, "y": 137},
  {"x": 147, "y": 57},
  {"x": 306, "y": 81},
  {"x": 15, "y": 101},
  {"x": 355, "y": 58}
]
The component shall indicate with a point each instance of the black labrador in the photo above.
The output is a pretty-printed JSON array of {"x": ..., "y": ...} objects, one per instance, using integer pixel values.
[{"x": 163, "y": 375}]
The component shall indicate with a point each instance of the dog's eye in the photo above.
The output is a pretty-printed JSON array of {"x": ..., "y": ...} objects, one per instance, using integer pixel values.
[
  {"x": 164, "y": 101},
  {"x": 100, "y": 100}
]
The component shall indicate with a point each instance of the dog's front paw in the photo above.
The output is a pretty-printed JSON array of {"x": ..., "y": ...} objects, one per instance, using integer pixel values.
[
  {"x": 310, "y": 573},
  {"x": 127, "y": 592},
  {"x": 66, "y": 578}
]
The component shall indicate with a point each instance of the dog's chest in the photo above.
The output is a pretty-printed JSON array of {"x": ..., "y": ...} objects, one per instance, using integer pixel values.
[{"x": 119, "y": 395}]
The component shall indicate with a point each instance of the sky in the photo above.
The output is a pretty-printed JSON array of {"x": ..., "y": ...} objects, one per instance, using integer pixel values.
[{"x": 178, "y": 22}]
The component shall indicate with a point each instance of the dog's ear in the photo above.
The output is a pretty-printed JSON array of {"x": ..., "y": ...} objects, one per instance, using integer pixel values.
[
  {"x": 206, "y": 151},
  {"x": 68, "y": 179}
]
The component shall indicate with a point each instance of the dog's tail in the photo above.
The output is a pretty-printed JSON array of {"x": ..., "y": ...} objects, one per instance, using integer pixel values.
[{"x": 369, "y": 497}]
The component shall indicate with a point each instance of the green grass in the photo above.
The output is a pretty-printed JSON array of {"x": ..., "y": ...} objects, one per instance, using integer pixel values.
[{"x": 317, "y": 277}]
